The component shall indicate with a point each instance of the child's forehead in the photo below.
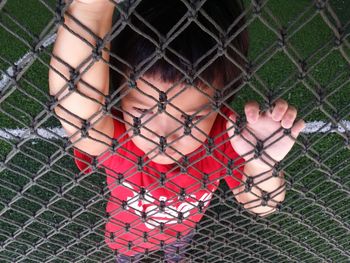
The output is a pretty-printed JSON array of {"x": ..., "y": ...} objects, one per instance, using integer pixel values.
[
  {"x": 152, "y": 87},
  {"x": 189, "y": 99}
]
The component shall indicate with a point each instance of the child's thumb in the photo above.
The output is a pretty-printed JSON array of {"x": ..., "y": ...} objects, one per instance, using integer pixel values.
[{"x": 230, "y": 127}]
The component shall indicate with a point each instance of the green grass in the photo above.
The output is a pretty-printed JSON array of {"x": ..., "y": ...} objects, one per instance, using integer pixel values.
[
  {"x": 304, "y": 231},
  {"x": 32, "y": 16}
]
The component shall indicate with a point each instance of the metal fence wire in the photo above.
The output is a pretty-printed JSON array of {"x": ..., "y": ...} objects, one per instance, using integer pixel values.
[{"x": 108, "y": 156}]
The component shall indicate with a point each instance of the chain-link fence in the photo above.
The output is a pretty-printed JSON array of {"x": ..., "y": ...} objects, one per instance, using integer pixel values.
[{"x": 150, "y": 167}]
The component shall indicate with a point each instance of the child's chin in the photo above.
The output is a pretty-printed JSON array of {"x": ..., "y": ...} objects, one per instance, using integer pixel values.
[{"x": 164, "y": 159}]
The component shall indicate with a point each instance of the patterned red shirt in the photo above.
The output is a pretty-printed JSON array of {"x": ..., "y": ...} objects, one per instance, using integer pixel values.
[{"x": 153, "y": 204}]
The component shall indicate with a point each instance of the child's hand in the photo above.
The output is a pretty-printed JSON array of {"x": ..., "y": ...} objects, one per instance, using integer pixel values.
[
  {"x": 263, "y": 125},
  {"x": 90, "y": 1},
  {"x": 91, "y": 9}
]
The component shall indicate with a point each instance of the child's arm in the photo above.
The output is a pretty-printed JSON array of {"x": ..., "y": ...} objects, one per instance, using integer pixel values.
[
  {"x": 261, "y": 191},
  {"x": 97, "y": 16},
  {"x": 262, "y": 180}
]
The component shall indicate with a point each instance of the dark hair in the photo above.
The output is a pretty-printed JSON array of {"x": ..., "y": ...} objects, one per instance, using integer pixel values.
[{"x": 191, "y": 49}]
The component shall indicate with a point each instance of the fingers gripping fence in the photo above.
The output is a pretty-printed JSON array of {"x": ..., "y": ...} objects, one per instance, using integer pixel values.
[{"x": 167, "y": 164}]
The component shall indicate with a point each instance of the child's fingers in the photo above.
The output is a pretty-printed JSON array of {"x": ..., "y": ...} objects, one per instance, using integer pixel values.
[
  {"x": 289, "y": 117},
  {"x": 297, "y": 128},
  {"x": 279, "y": 110},
  {"x": 252, "y": 110},
  {"x": 232, "y": 119},
  {"x": 90, "y": 1},
  {"x": 230, "y": 127}
]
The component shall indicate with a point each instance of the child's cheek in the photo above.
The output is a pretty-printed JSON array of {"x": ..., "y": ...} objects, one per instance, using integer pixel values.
[{"x": 204, "y": 126}]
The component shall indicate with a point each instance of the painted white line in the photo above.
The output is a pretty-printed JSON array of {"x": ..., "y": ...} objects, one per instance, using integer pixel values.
[
  {"x": 322, "y": 127},
  {"x": 47, "y": 133},
  {"x": 6, "y": 78},
  {"x": 58, "y": 132}
]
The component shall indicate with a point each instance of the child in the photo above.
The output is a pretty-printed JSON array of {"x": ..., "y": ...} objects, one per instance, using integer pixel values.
[{"x": 171, "y": 139}]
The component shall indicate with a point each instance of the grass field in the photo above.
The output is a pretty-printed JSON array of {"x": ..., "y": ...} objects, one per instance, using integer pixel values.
[{"x": 47, "y": 214}]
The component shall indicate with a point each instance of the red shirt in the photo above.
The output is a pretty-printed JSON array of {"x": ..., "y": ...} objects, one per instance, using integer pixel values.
[{"x": 155, "y": 204}]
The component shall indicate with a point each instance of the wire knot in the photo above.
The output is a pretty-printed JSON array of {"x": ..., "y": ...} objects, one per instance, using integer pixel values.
[
  {"x": 210, "y": 146},
  {"x": 187, "y": 124},
  {"x": 162, "y": 143},
  {"x": 85, "y": 129},
  {"x": 192, "y": 13},
  {"x": 136, "y": 125},
  {"x": 248, "y": 184},
  {"x": 320, "y": 5},
  {"x": 162, "y": 102},
  {"x": 256, "y": 7},
  {"x": 259, "y": 148},
  {"x": 162, "y": 178},
  {"x": 281, "y": 42},
  {"x": 265, "y": 198}
]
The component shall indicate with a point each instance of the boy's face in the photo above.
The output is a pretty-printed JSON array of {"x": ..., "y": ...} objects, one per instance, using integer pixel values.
[{"x": 169, "y": 123}]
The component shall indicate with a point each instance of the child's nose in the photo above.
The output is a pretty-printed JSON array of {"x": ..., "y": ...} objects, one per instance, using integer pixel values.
[{"x": 167, "y": 127}]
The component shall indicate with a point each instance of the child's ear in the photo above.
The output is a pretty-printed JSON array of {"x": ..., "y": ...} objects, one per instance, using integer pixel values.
[
  {"x": 229, "y": 124},
  {"x": 233, "y": 117}
]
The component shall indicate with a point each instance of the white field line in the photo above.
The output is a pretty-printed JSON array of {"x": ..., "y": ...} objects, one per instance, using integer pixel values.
[
  {"x": 58, "y": 132},
  {"x": 5, "y": 78}
]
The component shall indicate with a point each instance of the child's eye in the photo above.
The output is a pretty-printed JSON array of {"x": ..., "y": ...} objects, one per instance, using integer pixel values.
[
  {"x": 142, "y": 110},
  {"x": 197, "y": 117},
  {"x": 194, "y": 118}
]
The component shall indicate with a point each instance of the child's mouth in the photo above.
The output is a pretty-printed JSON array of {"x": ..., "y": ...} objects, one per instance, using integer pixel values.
[{"x": 166, "y": 153}]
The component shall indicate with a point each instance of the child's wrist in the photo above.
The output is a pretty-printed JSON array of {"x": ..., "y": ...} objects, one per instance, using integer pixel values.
[
  {"x": 92, "y": 9},
  {"x": 261, "y": 165},
  {"x": 95, "y": 16}
]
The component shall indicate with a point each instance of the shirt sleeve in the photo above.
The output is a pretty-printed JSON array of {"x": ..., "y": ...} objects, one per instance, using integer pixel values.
[
  {"x": 234, "y": 179},
  {"x": 84, "y": 161},
  {"x": 238, "y": 167}
]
